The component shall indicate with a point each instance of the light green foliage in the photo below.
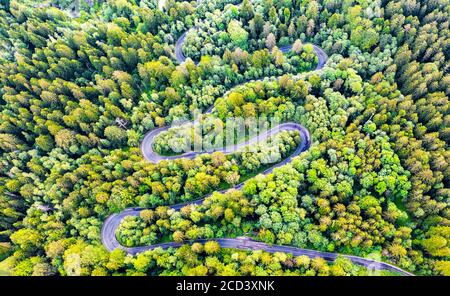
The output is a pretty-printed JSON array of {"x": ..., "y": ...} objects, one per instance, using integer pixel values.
[{"x": 374, "y": 181}]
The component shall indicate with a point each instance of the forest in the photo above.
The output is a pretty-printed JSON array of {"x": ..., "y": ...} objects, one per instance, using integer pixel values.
[{"x": 78, "y": 93}]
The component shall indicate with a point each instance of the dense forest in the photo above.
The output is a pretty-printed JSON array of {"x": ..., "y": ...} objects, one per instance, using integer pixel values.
[{"x": 375, "y": 181}]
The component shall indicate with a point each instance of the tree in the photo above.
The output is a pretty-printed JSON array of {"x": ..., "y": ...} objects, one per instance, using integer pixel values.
[
  {"x": 116, "y": 260},
  {"x": 44, "y": 142},
  {"x": 270, "y": 41},
  {"x": 300, "y": 90},
  {"x": 28, "y": 239},
  {"x": 142, "y": 262},
  {"x": 238, "y": 35},
  {"x": 116, "y": 135},
  {"x": 437, "y": 241},
  {"x": 178, "y": 236},
  {"x": 43, "y": 269},
  {"x": 232, "y": 178},
  {"x": 258, "y": 24},
  {"x": 246, "y": 10},
  {"x": 211, "y": 247},
  {"x": 147, "y": 215},
  {"x": 443, "y": 267},
  {"x": 65, "y": 139},
  {"x": 197, "y": 248},
  {"x": 218, "y": 158},
  {"x": 365, "y": 38},
  {"x": 297, "y": 46}
]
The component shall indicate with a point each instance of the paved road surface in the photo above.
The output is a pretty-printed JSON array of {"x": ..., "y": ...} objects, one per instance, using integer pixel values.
[
  {"x": 181, "y": 58},
  {"x": 151, "y": 155},
  {"x": 111, "y": 224}
]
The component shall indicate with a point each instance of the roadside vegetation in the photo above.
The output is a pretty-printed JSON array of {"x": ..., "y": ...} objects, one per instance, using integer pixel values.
[{"x": 375, "y": 180}]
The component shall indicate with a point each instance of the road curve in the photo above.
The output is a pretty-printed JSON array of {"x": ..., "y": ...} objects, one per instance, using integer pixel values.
[
  {"x": 181, "y": 58},
  {"x": 151, "y": 155},
  {"x": 178, "y": 48},
  {"x": 111, "y": 243},
  {"x": 108, "y": 232}
]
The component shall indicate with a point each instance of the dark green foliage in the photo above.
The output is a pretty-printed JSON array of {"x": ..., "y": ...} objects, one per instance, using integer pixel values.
[{"x": 374, "y": 182}]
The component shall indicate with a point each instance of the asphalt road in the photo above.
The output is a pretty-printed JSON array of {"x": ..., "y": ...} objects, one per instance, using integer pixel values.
[
  {"x": 151, "y": 155},
  {"x": 245, "y": 243},
  {"x": 179, "y": 50},
  {"x": 181, "y": 58},
  {"x": 111, "y": 224}
]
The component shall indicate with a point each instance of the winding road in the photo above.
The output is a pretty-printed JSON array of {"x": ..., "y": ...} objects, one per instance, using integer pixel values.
[
  {"x": 111, "y": 224},
  {"x": 181, "y": 58}
]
